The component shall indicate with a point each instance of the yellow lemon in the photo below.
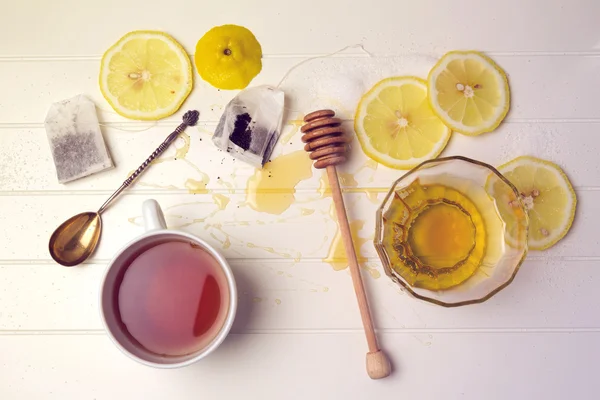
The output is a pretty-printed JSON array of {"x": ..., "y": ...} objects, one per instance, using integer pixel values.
[
  {"x": 228, "y": 57},
  {"x": 146, "y": 75},
  {"x": 469, "y": 92},
  {"x": 395, "y": 125},
  {"x": 547, "y": 195}
]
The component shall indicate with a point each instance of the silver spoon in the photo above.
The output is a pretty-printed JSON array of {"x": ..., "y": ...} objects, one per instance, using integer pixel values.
[{"x": 76, "y": 238}]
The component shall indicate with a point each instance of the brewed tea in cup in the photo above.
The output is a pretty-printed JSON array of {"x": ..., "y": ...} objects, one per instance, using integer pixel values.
[{"x": 168, "y": 298}]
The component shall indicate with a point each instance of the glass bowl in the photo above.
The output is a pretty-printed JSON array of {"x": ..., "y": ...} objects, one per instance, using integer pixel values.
[{"x": 452, "y": 231}]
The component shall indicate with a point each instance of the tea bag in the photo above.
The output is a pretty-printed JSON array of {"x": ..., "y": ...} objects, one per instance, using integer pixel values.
[
  {"x": 75, "y": 139},
  {"x": 251, "y": 124}
]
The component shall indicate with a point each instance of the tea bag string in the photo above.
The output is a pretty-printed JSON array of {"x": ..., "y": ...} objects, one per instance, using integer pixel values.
[{"x": 190, "y": 118}]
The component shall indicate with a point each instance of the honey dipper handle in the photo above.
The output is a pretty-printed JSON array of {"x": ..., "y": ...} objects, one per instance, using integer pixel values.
[{"x": 378, "y": 366}]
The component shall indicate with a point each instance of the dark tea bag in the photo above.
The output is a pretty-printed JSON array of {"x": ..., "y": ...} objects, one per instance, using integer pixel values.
[
  {"x": 75, "y": 139},
  {"x": 251, "y": 124}
]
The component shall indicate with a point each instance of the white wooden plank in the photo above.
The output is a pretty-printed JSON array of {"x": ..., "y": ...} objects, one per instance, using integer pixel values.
[
  {"x": 535, "y": 339},
  {"x": 542, "y": 86},
  {"x": 282, "y": 296},
  {"x": 250, "y": 234},
  {"x": 470, "y": 366},
  {"x": 58, "y": 80},
  {"x": 26, "y": 162},
  {"x": 32, "y": 219},
  {"x": 74, "y": 27}
]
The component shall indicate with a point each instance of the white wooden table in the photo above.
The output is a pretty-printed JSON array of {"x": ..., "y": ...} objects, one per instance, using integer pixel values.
[{"x": 298, "y": 333}]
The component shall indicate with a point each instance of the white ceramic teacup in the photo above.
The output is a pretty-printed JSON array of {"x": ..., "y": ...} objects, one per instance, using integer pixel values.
[{"x": 157, "y": 232}]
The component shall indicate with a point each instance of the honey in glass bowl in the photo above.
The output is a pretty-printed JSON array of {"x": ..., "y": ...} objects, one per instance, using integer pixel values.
[{"x": 452, "y": 231}]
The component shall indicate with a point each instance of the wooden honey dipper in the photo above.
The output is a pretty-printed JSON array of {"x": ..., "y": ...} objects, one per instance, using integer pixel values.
[{"x": 327, "y": 144}]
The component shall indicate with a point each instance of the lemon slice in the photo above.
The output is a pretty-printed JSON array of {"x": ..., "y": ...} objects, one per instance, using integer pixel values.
[
  {"x": 469, "y": 92},
  {"x": 228, "y": 57},
  {"x": 548, "y": 196},
  {"x": 146, "y": 75},
  {"x": 396, "y": 126}
]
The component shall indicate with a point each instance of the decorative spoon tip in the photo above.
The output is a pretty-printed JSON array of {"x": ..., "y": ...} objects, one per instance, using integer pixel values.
[{"x": 190, "y": 118}]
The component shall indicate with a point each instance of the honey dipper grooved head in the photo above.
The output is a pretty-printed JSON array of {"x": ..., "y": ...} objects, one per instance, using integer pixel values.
[
  {"x": 318, "y": 114},
  {"x": 324, "y": 138}
]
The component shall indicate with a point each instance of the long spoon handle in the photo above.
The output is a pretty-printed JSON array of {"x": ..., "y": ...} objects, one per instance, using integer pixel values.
[{"x": 190, "y": 118}]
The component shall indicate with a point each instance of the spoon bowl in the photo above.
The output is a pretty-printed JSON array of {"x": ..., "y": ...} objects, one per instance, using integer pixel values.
[{"x": 76, "y": 238}]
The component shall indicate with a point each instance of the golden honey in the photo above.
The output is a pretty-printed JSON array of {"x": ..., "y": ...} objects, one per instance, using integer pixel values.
[
  {"x": 434, "y": 235},
  {"x": 272, "y": 189}
]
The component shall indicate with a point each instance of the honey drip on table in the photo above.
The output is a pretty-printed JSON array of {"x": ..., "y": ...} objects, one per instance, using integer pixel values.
[
  {"x": 350, "y": 185},
  {"x": 180, "y": 154},
  {"x": 182, "y": 151},
  {"x": 336, "y": 256},
  {"x": 346, "y": 181},
  {"x": 196, "y": 186},
  {"x": 296, "y": 257},
  {"x": 272, "y": 189},
  {"x": 220, "y": 200}
]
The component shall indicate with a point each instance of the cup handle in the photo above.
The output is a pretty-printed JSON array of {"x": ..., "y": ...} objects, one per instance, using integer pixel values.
[{"x": 153, "y": 216}]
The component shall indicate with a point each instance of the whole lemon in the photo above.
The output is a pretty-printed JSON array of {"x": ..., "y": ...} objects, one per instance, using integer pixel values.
[{"x": 228, "y": 57}]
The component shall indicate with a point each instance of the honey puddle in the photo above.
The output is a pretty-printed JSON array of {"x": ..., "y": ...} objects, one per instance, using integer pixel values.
[
  {"x": 349, "y": 185},
  {"x": 272, "y": 188},
  {"x": 221, "y": 201},
  {"x": 180, "y": 152},
  {"x": 347, "y": 179},
  {"x": 372, "y": 195},
  {"x": 228, "y": 185},
  {"x": 369, "y": 164},
  {"x": 225, "y": 243},
  {"x": 294, "y": 126},
  {"x": 197, "y": 186},
  {"x": 336, "y": 256},
  {"x": 372, "y": 270},
  {"x": 156, "y": 186},
  {"x": 297, "y": 257},
  {"x": 204, "y": 130}
]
